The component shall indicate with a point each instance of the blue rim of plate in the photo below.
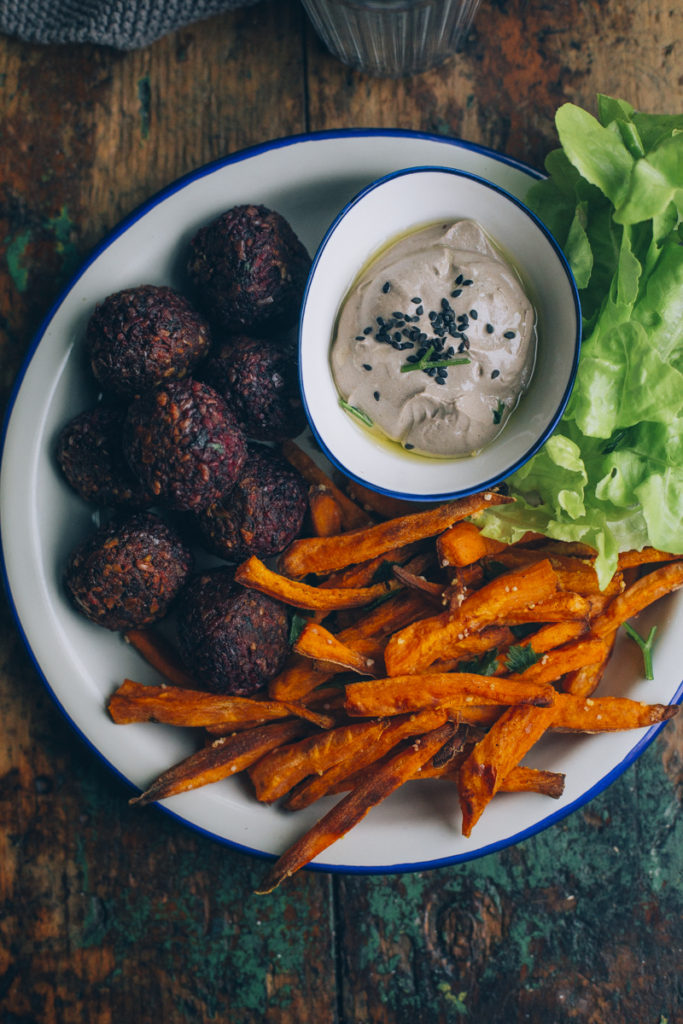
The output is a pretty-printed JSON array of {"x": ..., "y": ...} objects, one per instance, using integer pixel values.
[
  {"x": 554, "y": 420},
  {"x": 119, "y": 229}
]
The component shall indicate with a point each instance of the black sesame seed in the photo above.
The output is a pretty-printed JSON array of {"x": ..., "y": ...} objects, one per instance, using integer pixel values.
[
  {"x": 494, "y": 374},
  {"x": 454, "y": 294},
  {"x": 375, "y": 395},
  {"x": 509, "y": 334},
  {"x": 417, "y": 300},
  {"x": 359, "y": 337},
  {"x": 462, "y": 346},
  {"x": 398, "y": 315},
  {"x": 440, "y": 380},
  {"x": 465, "y": 339},
  {"x": 490, "y": 328},
  {"x": 367, "y": 330},
  {"x": 420, "y": 310},
  {"x": 366, "y": 366},
  {"x": 409, "y": 447},
  {"x": 466, "y": 283},
  {"x": 412, "y": 359},
  {"x": 450, "y": 351},
  {"x": 386, "y": 287},
  {"x": 474, "y": 314},
  {"x": 432, "y": 315},
  {"x": 442, "y": 371},
  {"x": 458, "y": 279},
  {"x": 397, "y": 336}
]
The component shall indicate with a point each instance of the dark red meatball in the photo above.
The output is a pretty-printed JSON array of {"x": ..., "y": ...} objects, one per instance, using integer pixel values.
[
  {"x": 184, "y": 444},
  {"x": 262, "y": 513},
  {"x": 249, "y": 271},
  {"x": 127, "y": 573},
  {"x": 233, "y": 639},
  {"x": 259, "y": 377},
  {"x": 143, "y": 336},
  {"x": 90, "y": 455}
]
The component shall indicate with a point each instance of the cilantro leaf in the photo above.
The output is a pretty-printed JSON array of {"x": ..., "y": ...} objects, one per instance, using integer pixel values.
[{"x": 520, "y": 656}]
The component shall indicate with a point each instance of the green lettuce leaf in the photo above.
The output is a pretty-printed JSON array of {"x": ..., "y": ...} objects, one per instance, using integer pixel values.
[{"x": 612, "y": 474}]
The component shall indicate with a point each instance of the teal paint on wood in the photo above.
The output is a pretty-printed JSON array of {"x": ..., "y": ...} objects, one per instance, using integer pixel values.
[{"x": 16, "y": 247}]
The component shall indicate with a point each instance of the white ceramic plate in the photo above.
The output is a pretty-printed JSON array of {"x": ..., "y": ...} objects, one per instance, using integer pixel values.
[{"x": 308, "y": 180}]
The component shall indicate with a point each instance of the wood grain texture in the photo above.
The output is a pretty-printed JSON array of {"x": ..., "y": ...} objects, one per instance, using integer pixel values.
[{"x": 114, "y": 914}]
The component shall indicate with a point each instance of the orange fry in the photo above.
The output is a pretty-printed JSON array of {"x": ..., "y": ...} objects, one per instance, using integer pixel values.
[
  {"x": 646, "y": 556},
  {"x": 318, "y": 643},
  {"x": 639, "y": 595},
  {"x": 255, "y": 574},
  {"x": 607, "y": 714},
  {"x": 399, "y": 694},
  {"x": 352, "y": 516},
  {"x": 464, "y": 544},
  {"x": 325, "y": 554},
  {"x": 171, "y": 705},
  {"x": 520, "y": 780},
  {"x": 326, "y": 515},
  {"x": 584, "y": 681},
  {"x": 553, "y": 664},
  {"x": 420, "y": 644},
  {"x": 558, "y": 607},
  {"x": 159, "y": 653},
  {"x": 219, "y": 760},
  {"x": 273, "y": 776},
  {"x": 317, "y": 786},
  {"x": 380, "y": 782},
  {"x": 494, "y": 757},
  {"x": 382, "y": 505}
]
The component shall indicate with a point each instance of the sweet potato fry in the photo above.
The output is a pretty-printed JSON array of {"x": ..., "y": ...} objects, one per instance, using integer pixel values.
[
  {"x": 352, "y": 515},
  {"x": 520, "y": 780},
  {"x": 380, "y": 782},
  {"x": 171, "y": 705},
  {"x": 326, "y": 554},
  {"x": 382, "y": 505},
  {"x": 607, "y": 714},
  {"x": 554, "y": 663},
  {"x": 646, "y": 556},
  {"x": 325, "y": 512},
  {"x": 639, "y": 595},
  {"x": 406, "y": 578},
  {"x": 494, "y": 757},
  {"x": 255, "y": 574},
  {"x": 582, "y": 682},
  {"x": 317, "y": 786},
  {"x": 559, "y": 607},
  {"x": 160, "y": 654},
  {"x": 318, "y": 643},
  {"x": 400, "y": 694},
  {"x": 464, "y": 544},
  {"x": 275, "y": 775},
  {"x": 420, "y": 644},
  {"x": 219, "y": 760},
  {"x": 474, "y": 645},
  {"x": 366, "y": 572}
]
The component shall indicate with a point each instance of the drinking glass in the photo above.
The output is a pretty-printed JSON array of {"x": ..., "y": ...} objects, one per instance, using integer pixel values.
[{"x": 391, "y": 37}]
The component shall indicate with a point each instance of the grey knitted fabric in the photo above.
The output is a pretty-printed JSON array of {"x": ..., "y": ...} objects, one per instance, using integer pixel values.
[{"x": 123, "y": 24}]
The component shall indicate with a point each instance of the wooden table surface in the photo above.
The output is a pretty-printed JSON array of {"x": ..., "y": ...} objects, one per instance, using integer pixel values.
[{"x": 110, "y": 914}]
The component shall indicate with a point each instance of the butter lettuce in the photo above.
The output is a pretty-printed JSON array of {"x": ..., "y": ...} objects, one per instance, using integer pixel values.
[{"x": 612, "y": 473}]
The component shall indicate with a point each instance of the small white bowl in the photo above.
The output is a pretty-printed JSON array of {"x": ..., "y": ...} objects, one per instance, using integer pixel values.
[{"x": 386, "y": 209}]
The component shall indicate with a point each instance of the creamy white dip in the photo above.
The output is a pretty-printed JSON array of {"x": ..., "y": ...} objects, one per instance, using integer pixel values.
[{"x": 444, "y": 288}]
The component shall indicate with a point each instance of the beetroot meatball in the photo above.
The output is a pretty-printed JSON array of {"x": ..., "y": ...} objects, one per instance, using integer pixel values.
[
  {"x": 260, "y": 380},
  {"x": 184, "y": 444},
  {"x": 262, "y": 513},
  {"x": 143, "y": 336},
  {"x": 126, "y": 574},
  {"x": 249, "y": 270},
  {"x": 90, "y": 456},
  {"x": 233, "y": 639}
]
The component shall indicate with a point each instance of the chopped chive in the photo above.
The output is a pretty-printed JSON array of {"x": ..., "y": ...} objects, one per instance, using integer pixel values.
[
  {"x": 358, "y": 413},
  {"x": 498, "y": 412},
  {"x": 425, "y": 362}
]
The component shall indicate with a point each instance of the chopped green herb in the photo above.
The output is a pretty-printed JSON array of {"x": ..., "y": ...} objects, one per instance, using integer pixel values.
[
  {"x": 498, "y": 412},
  {"x": 296, "y": 625},
  {"x": 485, "y": 665},
  {"x": 645, "y": 646},
  {"x": 358, "y": 413},
  {"x": 426, "y": 362},
  {"x": 519, "y": 657},
  {"x": 613, "y": 442}
]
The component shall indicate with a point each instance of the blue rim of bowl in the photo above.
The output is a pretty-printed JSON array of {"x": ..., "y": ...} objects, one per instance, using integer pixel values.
[
  {"x": 493, "y": 481},
  {"x": 132, "y": 218}
]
